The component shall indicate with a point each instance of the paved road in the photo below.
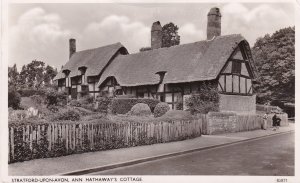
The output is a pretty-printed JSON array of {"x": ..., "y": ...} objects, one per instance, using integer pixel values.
[{"x": 269, "y": 156}]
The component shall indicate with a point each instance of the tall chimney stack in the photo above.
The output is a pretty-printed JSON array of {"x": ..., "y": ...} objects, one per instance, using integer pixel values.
[
  {"x": 156, "y": 35},
  {"x": 72, "y": 45},
  {"x": 213, "y": 23}
]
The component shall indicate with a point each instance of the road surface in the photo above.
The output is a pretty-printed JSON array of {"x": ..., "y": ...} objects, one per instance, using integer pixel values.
[{"x": 272, "y": 156}]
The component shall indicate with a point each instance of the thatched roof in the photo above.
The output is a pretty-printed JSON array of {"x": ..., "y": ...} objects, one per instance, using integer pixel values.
[
  {"x": 197, "y": 61},
  {"x": 94, "y": 59}
]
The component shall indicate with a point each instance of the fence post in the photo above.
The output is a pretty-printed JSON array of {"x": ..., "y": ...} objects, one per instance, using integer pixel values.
[{"x": 12, "y": 145}]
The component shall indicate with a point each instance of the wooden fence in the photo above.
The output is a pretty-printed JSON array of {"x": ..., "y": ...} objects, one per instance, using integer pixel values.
[{"x": 50, "y": 140}]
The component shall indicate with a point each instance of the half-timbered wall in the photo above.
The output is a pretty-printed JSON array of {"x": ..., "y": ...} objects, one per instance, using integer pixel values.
[
  {"x": 92, "y": 86},
  {"x": 236, "y": 77},
  {"x": 110, "y": 88},
  {"x": 172, "y": 94}
]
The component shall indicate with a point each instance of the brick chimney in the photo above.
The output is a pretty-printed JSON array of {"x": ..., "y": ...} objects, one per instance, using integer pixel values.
[
  {"x": 156, "y": 35},
  {"x": 213, "y": 23},
  {"x": 72, "y": 45}
]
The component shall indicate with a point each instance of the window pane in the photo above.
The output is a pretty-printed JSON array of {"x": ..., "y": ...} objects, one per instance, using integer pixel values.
[
  {"x": 236, "y": 67},
  {"x": 168, "y": 97},
  {"x": 177, "y": 97}
]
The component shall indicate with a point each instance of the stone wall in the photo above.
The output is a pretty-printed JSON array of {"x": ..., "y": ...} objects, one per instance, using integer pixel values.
[
  {"x": 238, "y": 103},
  {"x": 228, "y": 122}
]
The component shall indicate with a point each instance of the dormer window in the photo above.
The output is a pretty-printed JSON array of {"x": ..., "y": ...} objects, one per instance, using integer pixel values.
[
  {"x": 67, "y": 79},
  {"x": 82, "y": 73},
  {"x": 161, "y": 74}
]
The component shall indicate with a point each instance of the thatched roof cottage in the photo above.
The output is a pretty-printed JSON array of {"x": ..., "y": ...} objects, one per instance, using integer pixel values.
[{"x": 168, "y": 74}]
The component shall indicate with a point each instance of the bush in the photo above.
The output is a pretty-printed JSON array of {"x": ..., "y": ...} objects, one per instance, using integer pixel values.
[
  {"x": 85, "y": 102},
  {"x": 124, "y": 105},
  {"x": 14, "y": 99},
  {"x": 160, "y": 109},
  {"x": 53, "y": 108},
  {"x": 103, "y": 104},
  {"x": 75, "y": 103},
  {"x": 54, "y": 97},
  {"x": 89, "y": 106},
  {"x": 173, "y": 115},
  {"x": 69, "y": 114},
  {"x": 140, "y": 109},
  {"x": 38, "y": 99},
  {"x": 206, "y": 100},
  {"x": 31, "y": 92}
]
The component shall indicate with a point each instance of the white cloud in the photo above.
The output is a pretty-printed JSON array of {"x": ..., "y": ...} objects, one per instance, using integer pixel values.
[
  {"x": 251, "y": 23},
  {"x": 36, "y": 35},
  {"x": 114, "y": 28},
  {"x": 189, "y": 33}
]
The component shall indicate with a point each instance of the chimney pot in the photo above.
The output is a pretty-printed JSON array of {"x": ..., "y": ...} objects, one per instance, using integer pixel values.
[
  {"x": 72, "y": 45},
  {"x": 213, "y": 23},
  {"x": 156, "y": 35}
]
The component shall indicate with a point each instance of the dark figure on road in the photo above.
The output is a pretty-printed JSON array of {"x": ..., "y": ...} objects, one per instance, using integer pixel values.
[
  {"x": 276, "y": 122},
  {"x": 265, "y": 121}
]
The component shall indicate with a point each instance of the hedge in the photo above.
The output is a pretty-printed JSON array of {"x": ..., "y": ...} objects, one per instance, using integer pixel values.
[
  {"x": 160, "y": 109},
  {"x": 14, "y": 99},
  {"x": 124, "y": 105},
  {"x": 30, "y": 92}
]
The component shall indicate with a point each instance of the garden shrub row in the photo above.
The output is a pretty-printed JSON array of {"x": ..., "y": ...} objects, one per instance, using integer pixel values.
[
  {"x": 30, "y": 92},
  {"x": 160, "y": 109},
  {"x": 124, "y": 105}
]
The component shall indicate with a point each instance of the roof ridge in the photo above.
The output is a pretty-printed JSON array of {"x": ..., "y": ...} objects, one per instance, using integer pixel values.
[
  {"x": 176, "y": 46},
  {"x": 91, "y": 49}
]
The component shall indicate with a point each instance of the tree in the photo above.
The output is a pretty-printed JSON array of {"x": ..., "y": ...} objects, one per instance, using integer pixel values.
[
  {"x": 35, "y": 75},
  {"x": 274, "y": 58},
  {"x": 49, "y": 74},
  {"x": 170, "y": 35},
  {"x": 14, "y": 98},
  {"x": 13, "y": 76}
]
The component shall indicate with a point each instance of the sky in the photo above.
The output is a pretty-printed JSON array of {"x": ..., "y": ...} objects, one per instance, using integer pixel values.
[{"x": 42, "y": 31}]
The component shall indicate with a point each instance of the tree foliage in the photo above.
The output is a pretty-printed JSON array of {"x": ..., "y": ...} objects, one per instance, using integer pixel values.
[
  {"x": 274, "y": 58},
  {"x": 206, "y": 100},
  {"x": 32, "y": 76},
  {"x": 13, "y": 76},
  {"x": 14, "y": 98},
  {"x": 170, "y": 35}
]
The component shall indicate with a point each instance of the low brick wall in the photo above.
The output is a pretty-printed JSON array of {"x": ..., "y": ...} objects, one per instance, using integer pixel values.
[
  {"x": 226, "y": 122},
  {"x": 237, "y": 103}
]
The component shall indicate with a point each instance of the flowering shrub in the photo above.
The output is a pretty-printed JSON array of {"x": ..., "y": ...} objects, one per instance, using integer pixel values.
[
  {"x": 54, "y": 97},
  {"x": 206, "y": 100},
  {"x": 69, "y": 114},
  {"x": 124, "y": 105},
  {"x": 140, "y": 109},
  {"x": 160, "y": 109}
]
